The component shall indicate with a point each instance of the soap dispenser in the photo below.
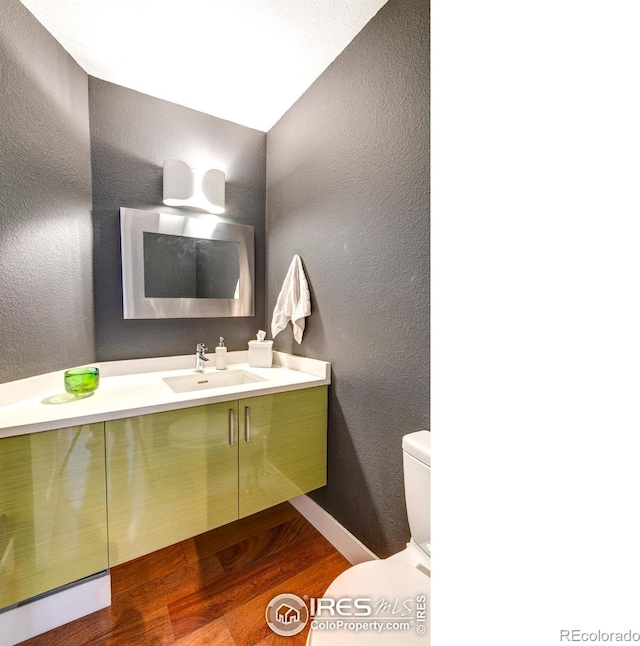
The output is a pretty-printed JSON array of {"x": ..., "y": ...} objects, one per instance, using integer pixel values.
[{"x": 221, "y": 355}]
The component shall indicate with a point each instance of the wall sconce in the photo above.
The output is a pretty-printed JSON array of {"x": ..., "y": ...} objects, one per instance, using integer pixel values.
[{"x": 184, "y": 186}]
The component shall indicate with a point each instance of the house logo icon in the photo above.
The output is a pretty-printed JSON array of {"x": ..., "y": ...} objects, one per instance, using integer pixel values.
[{"x": 287, "y": 614}]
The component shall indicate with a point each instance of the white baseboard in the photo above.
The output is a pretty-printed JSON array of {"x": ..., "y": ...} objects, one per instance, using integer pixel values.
[
  {"x": 49, "y": 612},
  {"x": 342, "y": 539}
]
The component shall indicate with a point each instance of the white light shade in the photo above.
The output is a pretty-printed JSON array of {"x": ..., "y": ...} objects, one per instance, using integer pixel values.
[
  {"x": 213, "y": 187},
  {"x": 184, "y": 186}
]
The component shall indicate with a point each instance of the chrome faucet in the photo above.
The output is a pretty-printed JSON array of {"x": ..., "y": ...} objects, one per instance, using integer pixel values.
[{"x": 200, "y": 358}]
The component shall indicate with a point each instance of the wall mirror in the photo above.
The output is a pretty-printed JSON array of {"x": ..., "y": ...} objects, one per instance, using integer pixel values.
[{"x": 176, "y": 266}]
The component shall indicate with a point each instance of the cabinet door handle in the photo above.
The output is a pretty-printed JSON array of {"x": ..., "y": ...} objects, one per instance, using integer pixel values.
[
  {"x": 247, "y": 424},
  {"x": 231, "y": 427}
]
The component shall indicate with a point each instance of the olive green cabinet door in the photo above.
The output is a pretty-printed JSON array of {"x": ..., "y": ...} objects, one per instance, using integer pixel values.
[
  {"x": 283, "y": 447},
  {"x": 53, "y": 514},
  {"x": 170, "y": 476}
]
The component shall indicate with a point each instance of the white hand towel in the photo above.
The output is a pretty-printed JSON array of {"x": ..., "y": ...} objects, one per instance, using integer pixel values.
[{"x": 294, "y": 302}]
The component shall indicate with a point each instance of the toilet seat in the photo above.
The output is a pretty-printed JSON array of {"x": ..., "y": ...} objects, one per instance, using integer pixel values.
[{"x": 391, "y": 581}]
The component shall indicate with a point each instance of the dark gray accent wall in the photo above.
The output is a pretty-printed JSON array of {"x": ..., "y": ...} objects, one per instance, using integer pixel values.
[
  {"x": 348, "y": 190},
  {"x": 131, "y": 135},
  {"x": 46, "y": 291}
]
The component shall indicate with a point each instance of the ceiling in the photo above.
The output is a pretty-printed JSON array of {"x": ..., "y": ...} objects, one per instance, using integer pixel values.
[{"x": 247, "y": 61}]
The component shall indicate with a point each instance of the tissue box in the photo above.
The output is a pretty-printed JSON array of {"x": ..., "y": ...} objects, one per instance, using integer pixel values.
[{"x": 260, "y": 354}]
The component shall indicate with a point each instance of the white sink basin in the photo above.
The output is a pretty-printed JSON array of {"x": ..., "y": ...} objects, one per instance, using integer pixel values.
[{"x": 202, "y": 381}]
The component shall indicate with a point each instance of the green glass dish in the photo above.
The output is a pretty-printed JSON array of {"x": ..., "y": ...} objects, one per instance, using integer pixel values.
[{"x": 81, "y": 382}]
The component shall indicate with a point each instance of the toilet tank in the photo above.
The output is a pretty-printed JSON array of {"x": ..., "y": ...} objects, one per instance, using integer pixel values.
[{"x": 416, "y": 455}]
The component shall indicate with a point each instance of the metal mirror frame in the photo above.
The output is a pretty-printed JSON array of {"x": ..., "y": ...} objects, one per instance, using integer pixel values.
[{"x": 133, "y": 224}]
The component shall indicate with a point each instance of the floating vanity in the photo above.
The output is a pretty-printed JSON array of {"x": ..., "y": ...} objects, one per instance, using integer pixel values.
[{"x": 159, "y": 453}]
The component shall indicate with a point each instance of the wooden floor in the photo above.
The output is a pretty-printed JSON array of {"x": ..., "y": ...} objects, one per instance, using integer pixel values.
[{"x": 212, "y": 589}]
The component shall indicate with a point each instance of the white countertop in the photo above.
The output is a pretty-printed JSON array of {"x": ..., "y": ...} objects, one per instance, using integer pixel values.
[{"x": 136, "y": 387}]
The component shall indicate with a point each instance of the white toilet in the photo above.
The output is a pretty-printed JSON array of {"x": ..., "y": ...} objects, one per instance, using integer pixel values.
[{"x": 399, "y": 583}]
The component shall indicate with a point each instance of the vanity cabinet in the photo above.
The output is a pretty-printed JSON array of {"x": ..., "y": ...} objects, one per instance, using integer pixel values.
[
  {"x": 170, "y": 476},
  {"x": 283, "y": 447},
  {"x": 180, "y": 473},
  {"x": 53, "y": 515}
]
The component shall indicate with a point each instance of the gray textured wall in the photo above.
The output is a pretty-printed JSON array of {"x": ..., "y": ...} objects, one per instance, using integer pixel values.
[
  {"x": 131, "y": 135},
  {"x": 46, "y": 292},
  {"x": 348, "y": 190}
]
